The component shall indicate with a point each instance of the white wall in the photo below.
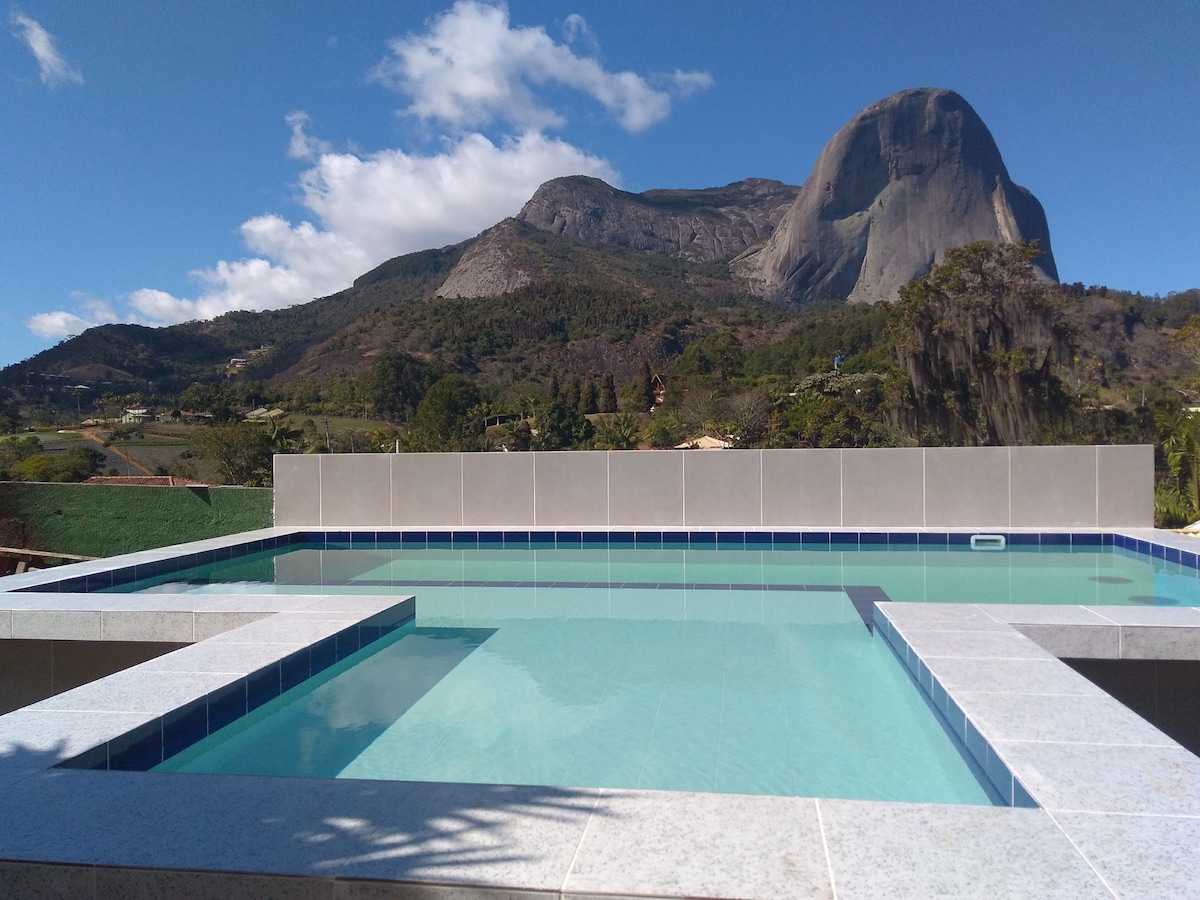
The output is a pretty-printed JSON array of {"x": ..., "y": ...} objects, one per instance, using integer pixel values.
[{"x": 936, "y": 487}]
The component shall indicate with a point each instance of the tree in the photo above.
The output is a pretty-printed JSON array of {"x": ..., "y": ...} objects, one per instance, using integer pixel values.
[
  {"x": 573, "y": 392},
  {"x": 618, "y": 432},
  {"x": 608, "y": 393},
  {"x": 643, "y": 389},
  {"x": 395, "y": 385},
  {"x": 242, "y": 452},
  {"x": 76, "y": 464},
  {"x": 561, "y": 427},
  {"x": 713, "y": 359},
  {"x": 442, "y": 421},
  {"x": 1177, "y": 496},
  {"x": 589, "y": 399},
  {"x": 978, "y": 338}
]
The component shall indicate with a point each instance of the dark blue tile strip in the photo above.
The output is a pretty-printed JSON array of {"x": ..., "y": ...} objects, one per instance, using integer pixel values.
[{"x": 700, "y": 540}]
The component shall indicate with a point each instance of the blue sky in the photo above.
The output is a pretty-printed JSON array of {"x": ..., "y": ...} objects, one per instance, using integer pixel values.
[{"x": 161, "y": 162}]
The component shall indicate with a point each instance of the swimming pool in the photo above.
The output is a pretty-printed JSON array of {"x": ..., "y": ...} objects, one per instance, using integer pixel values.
[
  {"x": 1089, "y": 569},
  {"x": 569, "y": 587},
  {"x": 797, "y": 698}
]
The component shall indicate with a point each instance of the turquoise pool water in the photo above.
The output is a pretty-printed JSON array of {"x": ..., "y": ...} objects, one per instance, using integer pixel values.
[
  {"x": 747, "y": 671},
  {"x": 798, "y": 698},
  {"x": 1096, "y": 576}
]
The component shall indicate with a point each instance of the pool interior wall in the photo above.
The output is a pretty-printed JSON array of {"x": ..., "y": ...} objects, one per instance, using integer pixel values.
[{"x": 1142, "y": 800}]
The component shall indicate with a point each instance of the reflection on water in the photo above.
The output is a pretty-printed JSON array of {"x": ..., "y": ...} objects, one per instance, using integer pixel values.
[{"x": 319, "y": 727}]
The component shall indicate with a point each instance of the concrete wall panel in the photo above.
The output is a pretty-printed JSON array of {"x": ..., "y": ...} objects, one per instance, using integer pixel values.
[
  {"x": 1125, "y": 475},
  {"x": 978, "y": 487},
  {"x": 497, "y": 488},
  {"x": 883, "y": 488},
  {"x": 802, "y": 488},
  {"x": 646, "y": 488},
  {"x": 723, "y": 488},
  {"x": 297, "y": 480},
  {"x": 1053, "y": 486},
  {"x": 966, "y": 486},
  {"x": 426, "y": 488},
  {"x": 571, "y": 488},
  {"x": 356, "y": 489}
]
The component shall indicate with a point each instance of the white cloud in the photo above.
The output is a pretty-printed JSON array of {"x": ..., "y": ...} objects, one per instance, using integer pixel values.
[
  {"x": 61, "y": 324},
  {"x": 52, "y": 66},
  {"x": 688, "y": 83},
  {"x": 367, "y": 209},
  {"x": 303, "y": 145},
  {"x": 472, "y": 67}
]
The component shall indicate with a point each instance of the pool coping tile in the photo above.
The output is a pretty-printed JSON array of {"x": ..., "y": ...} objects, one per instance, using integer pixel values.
[{"x": 1002, "y": 688}]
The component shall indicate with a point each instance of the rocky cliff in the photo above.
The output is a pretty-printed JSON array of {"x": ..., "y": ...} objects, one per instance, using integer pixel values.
[
  {"x": 699, "y": 226},
  {"x": 905, "y": 179}
]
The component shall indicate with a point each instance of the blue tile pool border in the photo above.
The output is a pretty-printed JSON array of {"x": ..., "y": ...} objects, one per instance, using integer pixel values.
[
  {"x": 1006, "y": 785},
  {"x": 146, "y": 746},
  {"x": 672, "y": 539}
]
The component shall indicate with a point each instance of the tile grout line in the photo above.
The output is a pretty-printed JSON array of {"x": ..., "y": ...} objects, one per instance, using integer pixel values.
[
  {"x": 1079, "y": 850},
  {"x": 825, "y": 847},
  {"x": 600, "y": 794}
]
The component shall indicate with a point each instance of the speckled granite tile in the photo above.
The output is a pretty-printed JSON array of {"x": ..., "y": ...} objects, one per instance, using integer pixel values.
[
  {"x": 209, "y": 656},
  {"x": 1031, "y": 676},
  {"x": 135, "y": 690},
  {"x": 918, "y": 851},
  {"x": 661, "y": 843},
  {"x": 1184, "y": 616},
  {"x": 210, "y": 624},
  {"x": 344, "y": 889},
  {"x": 1139, "y": 856},
  {"x": 1107, "y": 778},
  {"x": 265, "y": 603},
  {"x": 284, "y": 628},
  {"x": 70, "y": 815},
  {"x": 5, "y": 623},
  {"x": 358, "y": 603},
  {"x": 1006, "y": 643},
  {"x": 1159, "y": 642},
  {"x": 491, "y": 835},
  {"x": 40, "y": 737},
  {"x": 940, "y": 617},
  {"x": 146, "y": 625},
  {"x": 1042, "y": 614},
  {"x": 1055, "y": 717},
  {"x": 291, "y": 826},
  {"x": 1073, "y": 641},
  {"x": 54, "y": 625}
]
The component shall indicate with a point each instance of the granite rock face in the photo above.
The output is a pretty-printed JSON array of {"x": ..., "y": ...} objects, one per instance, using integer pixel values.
[
  {"x": 903, "y": 181},
  {"x": 489, "y": 266},
  {"x": 699, "y": 225}
]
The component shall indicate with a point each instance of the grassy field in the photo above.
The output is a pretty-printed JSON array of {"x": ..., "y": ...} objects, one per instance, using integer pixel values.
[{"x": 106, "y": 520}]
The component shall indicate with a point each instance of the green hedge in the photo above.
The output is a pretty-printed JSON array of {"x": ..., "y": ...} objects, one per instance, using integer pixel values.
[{"x": 108, "y": 519}]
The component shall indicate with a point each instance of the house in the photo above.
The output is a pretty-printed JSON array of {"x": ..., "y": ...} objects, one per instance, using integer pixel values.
[
  {"x": 138, "y": 416},
  {"x": 704, "y": 442},
  {"x": 660, "y": 388}
]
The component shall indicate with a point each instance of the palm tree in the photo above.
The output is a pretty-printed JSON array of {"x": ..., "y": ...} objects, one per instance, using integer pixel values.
[
  {"x": 618, "y": 432},
  {"x": 1177, "y": 498}
]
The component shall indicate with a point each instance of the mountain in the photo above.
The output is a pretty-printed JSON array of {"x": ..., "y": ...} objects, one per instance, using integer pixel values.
[
  {"x": 697, "y": 226},
  {"x": 904, "y": 180}
]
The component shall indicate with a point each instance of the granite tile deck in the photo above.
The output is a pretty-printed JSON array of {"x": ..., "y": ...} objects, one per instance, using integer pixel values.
[{"x": 1117, "y": 803}]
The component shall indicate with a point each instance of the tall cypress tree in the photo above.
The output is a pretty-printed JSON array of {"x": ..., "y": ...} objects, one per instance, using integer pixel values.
[{"x": 608, "y": 393}]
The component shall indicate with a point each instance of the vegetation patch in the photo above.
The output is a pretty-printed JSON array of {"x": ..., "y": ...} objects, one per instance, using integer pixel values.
[{"x": 107, "y": 520}]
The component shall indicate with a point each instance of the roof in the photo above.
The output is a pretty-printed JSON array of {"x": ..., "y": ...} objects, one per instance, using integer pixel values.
[{"x": 704, "y": 442}]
